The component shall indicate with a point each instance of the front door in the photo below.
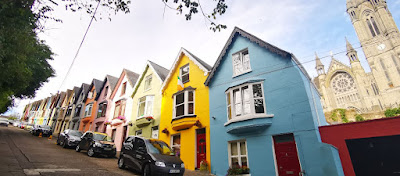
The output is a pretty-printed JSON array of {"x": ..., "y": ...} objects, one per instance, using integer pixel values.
[
  {"x": 286, "y": 155},
  {"x": 201, "y": 146}
]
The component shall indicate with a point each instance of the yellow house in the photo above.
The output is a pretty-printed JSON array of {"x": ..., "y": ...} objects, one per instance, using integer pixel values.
[
  {"x": 146, "y": 110},
  {"x": 185, "y": 115}
]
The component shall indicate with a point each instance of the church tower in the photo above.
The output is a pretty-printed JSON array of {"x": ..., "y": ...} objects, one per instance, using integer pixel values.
[{"x": 379, "y": 38}]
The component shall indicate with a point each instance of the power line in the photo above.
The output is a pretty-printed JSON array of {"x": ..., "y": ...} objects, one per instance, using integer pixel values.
[{"x": 79, "y": 48}]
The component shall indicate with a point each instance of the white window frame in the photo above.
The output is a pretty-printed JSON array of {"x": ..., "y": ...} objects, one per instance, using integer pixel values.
[
  {"x": 172, "y": 141},
  {"x": 186, "y": 103},
  {"x": 252, "y": 113},
  {"x": 239, "y": 156},
  {"x": 181, "y": 75},
  {"x": 152, "y": 132},
  {"x": 87, "y": 111},
  {"x": 147, "y": 82},
  {"x": 146, "y": 104},
  {"x": 240, "y": 55}
]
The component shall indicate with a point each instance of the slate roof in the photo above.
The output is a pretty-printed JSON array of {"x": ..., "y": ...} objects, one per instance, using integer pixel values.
[
  {"x": 208, "y": 67},
  {"x": 131, "y": 76},
  {"x": 161, "y": 71},
  {"x": 112, "y": 81}
]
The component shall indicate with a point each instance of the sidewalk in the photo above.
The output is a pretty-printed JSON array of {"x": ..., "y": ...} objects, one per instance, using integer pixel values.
[{"x": 196, "y": 173}]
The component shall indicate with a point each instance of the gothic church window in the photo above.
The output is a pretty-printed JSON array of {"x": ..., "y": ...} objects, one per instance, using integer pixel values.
[
  {"x": 385, "y": 70},
  {"x": 396, "y": 64},
  {"x": 372, "y": 26}
]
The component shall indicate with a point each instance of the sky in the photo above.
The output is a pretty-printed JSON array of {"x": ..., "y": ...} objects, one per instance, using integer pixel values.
[{"x": 150, "y": 32}]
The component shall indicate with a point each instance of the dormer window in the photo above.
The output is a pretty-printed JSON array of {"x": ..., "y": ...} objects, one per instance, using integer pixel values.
[
  {"x": 184, "y": 73},
  {"x": 241, "y": 62}
]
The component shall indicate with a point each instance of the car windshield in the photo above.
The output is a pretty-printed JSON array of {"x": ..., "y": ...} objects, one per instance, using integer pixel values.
[
  {"x": 101, "y": 137},
  {"x": 75, "y": 133},
  {"x": 159, "y": 147}
]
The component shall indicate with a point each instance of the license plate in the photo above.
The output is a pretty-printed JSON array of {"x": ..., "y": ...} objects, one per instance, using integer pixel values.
[
  {"x": 107, "y": 148},
  {"x": 173, "y": 171}
]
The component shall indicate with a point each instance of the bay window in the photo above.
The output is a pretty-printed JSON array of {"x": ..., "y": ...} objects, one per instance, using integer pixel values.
[
  {"x": 245, "y": 100},
  {"x": 119, "y": 108},
  {"x": 184, "y": 104},
  {"x": 145, "y": 106}
]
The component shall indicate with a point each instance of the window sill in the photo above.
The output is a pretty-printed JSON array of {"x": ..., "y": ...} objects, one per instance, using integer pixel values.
[
  {"x": 248, "y": 117},
  {"x": 144, "y": 116},
  {"x": 234, "y": 76},
  {"x": 182, "y": 117}
]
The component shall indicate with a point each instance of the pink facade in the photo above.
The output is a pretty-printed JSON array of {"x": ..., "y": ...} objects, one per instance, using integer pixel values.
[{"x": 104, "y": 105}]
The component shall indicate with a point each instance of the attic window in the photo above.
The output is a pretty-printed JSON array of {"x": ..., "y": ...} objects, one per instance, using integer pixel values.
[
  {"x": 241, "y": 62},
  {"x": 184, "y": 73},
  {"x": 147, "y": 82},
  {"x": 123, "y": 89}
]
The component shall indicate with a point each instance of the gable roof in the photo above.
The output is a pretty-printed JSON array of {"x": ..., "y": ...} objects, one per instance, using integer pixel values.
[
  {"x": 112, "y": 82},
  {"x": 160, "y": 71},
  {"x": 130, "y": 75},
  {"x": 252, "y": 38},
  {"x": 336, "y": 62},
  {"x": 201, "y": 64},
  {"x": 85, "y": 89}
]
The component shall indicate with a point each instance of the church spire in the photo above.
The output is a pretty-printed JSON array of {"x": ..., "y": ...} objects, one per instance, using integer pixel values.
[
  {"x": 319, "y": 66},
  {"x": 348, "y": 46},
  {"x": 351, "y": 52}
]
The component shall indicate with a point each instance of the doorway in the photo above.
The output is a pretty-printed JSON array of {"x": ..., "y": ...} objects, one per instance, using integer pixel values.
[
  {"x": 201, "y": 152},
  {"x": 287, "y": 159}
]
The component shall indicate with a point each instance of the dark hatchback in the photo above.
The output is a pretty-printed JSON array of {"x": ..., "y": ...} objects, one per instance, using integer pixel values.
[
  {"x": 96, "y": 144},
  {"x": 150, "y": 156},
  {"x": 44, "y": 129},
  {"x": 69, "y": 138}
]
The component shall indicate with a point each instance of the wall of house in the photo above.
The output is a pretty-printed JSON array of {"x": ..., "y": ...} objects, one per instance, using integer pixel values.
[
  {"x": 188, "y": 136},
  {"x": 87, "y": 121},
  {"x": 156, "y": 109},
  {"x": 103, "y": 97},
  {"x": 337, "y": 134},
  {"x": 289, "y": 100}
]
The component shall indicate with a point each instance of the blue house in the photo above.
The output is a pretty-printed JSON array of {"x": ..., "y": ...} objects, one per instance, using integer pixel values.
[{"x": 265, "y": 113}]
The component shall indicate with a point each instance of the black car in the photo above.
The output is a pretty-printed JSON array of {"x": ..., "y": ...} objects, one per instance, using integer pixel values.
[
  {"x": 69, "y": 138},
  {"x": 150, "y": 156},
  {"x": 96, "y": 143},
  {"x": 44, "y": 129}
]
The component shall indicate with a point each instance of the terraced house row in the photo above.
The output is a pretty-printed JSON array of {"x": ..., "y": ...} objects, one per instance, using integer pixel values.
[{"x": 255, "y": 111}]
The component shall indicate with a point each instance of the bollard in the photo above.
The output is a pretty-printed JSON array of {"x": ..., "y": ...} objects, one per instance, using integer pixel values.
[
  {"x": 40, "y": 135},
  {"x": 50, "y": 137}
]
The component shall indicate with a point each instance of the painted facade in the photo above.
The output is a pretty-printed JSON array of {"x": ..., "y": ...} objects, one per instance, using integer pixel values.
[
  {"x": 90, "y": 106},
  {"x": 57, "y": 110},
  {"x": 79, "y": 107},
  {"x": 104, "y": 104},
  {"x": 263, "y": 104},
  {"x": 63, "y": 112},
  {"x": 146, "y": 110},
  {"x": 121, "y": 108},
  {"x": 182, "y": 122},
  {"x": 70, "y": 108}
]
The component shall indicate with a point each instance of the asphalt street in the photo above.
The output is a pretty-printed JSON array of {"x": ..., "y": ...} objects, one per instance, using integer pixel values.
[{"x": 24, "y": 154}]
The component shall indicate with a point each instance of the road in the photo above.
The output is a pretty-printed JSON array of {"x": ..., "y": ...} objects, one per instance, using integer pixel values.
[{"x": 24, "y": 154}]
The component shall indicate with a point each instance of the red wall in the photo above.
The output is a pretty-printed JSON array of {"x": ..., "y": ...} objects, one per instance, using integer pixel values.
[{"x": 337, "y": 134}]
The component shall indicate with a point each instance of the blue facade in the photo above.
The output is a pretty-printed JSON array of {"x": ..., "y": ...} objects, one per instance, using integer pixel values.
[{"x": 292, "y": 106}]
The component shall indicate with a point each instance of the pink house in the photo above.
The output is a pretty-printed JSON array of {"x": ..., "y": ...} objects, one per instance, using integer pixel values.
[
  {"x": 121, "y": 108},
  {"x": 104, "y": 103}
]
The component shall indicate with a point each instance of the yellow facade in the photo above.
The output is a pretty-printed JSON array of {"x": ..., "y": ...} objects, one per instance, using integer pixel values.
[{"x": 186, "y": 126}]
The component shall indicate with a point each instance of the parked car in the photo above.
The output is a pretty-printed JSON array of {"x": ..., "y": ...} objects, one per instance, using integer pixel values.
[
  {"x": 16, "y": 123},
  {"x": 69, "y": 138},
  {"x": 28, "y": 127},
  {"x": 4, "y": 122},
  {"x": 150, "y": 156},
  {"x": 96, "y": 143},
  {"x": 44, "y": 129}
]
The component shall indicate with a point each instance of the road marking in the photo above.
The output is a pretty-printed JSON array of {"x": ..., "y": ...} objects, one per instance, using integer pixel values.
[{"x": 38, "y": 171}]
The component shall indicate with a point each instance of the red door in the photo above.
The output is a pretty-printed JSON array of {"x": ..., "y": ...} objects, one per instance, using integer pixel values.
[
  {"x": 286, "y": 155},
  {"x": 201, "y": 146}
]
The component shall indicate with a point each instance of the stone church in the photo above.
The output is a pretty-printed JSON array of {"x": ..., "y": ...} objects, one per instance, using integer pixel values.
[{"x": 351, "y": 87}]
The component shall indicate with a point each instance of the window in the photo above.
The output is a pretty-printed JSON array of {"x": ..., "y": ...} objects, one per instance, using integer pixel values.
[
  {"x": 88, "y": 110},
  {"x": 119, "y": 108},
  {"x": 396, "y": 64},
  {"x": 176, "y": 144},
  {"x": 78, "y": 110},
  {"x": 184, "y": 104},
  {"x": 141, "y": 146},
  {"x": 241, "y": 62},
  {"x": 184, "y": 73},
  {"x": 385, "y": 70},
  {"x": 101, "y": 112},
  {"x": 90, "y": 95},
  {"x": 138, "y": 133},
  {"x": 154, "y": 132},
  {"x": 69, "y": 111},
  {"x": 113, "y": 134},
  {"x": 244, "y": 100},
  {"x": 145, "y": 106},
  {"x": 238, "y": 154},
  {"x": 106, "y": 91},
  {"x": 373, "y": 27},
  {"x": 123, "y": 89},
  {"x": 147, "y": 82}
]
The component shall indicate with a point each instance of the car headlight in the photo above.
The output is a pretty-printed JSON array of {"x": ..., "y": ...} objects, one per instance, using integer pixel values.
[
  {"x": 182, "y": 165},
  {"x": 97, "y": 144},
  {"x": 160, "y": 164}
]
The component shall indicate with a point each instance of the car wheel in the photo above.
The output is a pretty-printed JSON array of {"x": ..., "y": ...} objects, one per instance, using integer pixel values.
[
  {"x": 121, "y": 163},
  {"x": 64, "y": 144},
  {"x": 146, "y": 170},
  {"x": 58, "y": 141},
  {"x": 90, "y": 152},
  {"x": 77, "y": 149}
]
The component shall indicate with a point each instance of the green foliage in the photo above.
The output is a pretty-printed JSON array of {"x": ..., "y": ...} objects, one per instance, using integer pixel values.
[
  {"x": 359, "y": 118},
  {"x": 23, "y": 57},
  {"x": 238, "y": 170},
  {"x": 333, "y": 116},
  {"x": 342, "y": 113},
  {"x": 391, "y": 112}
]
